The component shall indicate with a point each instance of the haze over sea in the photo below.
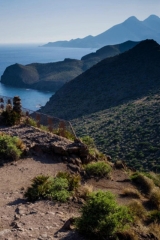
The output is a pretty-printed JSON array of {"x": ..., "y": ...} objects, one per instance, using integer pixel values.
[{"x": 32, "y": 53}]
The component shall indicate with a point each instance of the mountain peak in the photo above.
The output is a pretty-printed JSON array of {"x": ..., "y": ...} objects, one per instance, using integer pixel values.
[
  {"x": 131, "y": 19},
  {"x": 152, "y": 17}
]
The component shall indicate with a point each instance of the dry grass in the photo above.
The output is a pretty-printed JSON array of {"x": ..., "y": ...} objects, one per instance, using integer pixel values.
[
  {"x": 84, "y": 190},
  {"x": 128, "y": 234},
  {"x": 154, "y": 198},
  {"x": 154, "y": 229},
  {"x": 143, "y": 183},
  {"x": 131, "y": 192},
  {"x": 138, "y": 210}
]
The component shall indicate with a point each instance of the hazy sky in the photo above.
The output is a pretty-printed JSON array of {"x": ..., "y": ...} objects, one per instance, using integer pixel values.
[{"x": 42, "y": 21}]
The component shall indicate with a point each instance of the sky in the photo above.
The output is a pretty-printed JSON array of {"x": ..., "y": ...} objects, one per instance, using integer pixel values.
[{"x": 43, "y": 21}]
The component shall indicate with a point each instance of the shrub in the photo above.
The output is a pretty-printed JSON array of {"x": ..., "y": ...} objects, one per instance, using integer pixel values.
[
  {"x": 59, "y": 188},
  {"x": 155, "y": 177},
  {"x": 11, "y": 147},
  {"x": 99, "y": 169},
  {"x": 38, "y": 188},
  {"x": 155, "y": 197},
  {"x": 154, "y": 216},
  {"x": 91, "y": 147},
  {"x": 48, "y": 187},
  {"x": 73, "y": 179},
  {"x": 137, "y": 209},
  {"x": 130, "y": 192},
  {"x": 144, "y": 183},
  {"x": 101, "y": 216}
]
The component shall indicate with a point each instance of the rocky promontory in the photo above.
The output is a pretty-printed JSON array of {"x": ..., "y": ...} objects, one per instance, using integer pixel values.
[{"x": 52, "y": 76}]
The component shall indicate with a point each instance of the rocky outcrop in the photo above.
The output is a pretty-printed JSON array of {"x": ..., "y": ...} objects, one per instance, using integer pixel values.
[
  {"x": 52, "y": 76},
  {"x": 73, "y": 153}
]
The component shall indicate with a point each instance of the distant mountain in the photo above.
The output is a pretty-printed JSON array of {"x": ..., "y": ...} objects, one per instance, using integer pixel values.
[
  {"x": 130, "y": 29},
  {"x": 109, "y": 83},
  {"x": 52, "y": 76}
]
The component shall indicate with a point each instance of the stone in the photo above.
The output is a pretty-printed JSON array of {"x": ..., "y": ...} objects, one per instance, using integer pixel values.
[
  {"x": 73, "y": 167},
  {"x": 67, "y": 224}
]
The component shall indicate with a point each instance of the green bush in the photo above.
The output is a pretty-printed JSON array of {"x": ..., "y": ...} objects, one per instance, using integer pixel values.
[
  {"x": 11, "y": 147},
  {"x": 102, "y": 217},
  {"x": 73, "y": 179},
  {"x": 59, "y": 188},
  {"x": 99, "y": 169}
]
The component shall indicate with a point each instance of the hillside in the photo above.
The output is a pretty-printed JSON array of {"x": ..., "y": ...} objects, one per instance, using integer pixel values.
[
  {"x": 47, "y": 219},
  {"x": 130, "y": 132},
  {"x": 51, "y": 76},
  {"x": 131, "y": 29},
  {"x": 111, "y": 82},
  {"x": 116, "y": 102}
]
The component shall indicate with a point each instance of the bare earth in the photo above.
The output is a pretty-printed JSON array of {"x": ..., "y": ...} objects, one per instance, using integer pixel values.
[{"x": 41, "y": 220}]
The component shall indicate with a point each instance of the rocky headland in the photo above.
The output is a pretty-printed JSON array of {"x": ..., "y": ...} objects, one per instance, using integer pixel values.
[{"x": 52, "y": 76}]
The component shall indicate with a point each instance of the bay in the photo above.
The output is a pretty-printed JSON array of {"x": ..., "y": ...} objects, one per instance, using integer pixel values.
[{"x": 33, "y": 53}]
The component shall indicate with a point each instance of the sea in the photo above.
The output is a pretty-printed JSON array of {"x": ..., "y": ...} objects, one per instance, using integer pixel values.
[{"x": 33, "y": 53}]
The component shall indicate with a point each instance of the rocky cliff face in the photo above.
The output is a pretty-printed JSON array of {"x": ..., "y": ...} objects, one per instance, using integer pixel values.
[{"x": 52, "y": 76}]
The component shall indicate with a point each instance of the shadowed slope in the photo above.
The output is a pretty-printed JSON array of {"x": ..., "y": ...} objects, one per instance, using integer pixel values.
[{"x": 109, "y": 83}]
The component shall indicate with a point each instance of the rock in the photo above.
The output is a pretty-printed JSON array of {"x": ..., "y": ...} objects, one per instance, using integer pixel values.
[
  {"x": 78, "y": 161},
  {"x": 68, "y": 223},
  {"x": 74, "y": 168}
]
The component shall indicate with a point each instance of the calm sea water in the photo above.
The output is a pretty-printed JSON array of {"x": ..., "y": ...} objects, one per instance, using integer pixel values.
[{"x": 25, "y": 54}]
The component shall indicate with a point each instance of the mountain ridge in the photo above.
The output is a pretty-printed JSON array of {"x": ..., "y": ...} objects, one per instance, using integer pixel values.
[{"x": 146, "y": 29}]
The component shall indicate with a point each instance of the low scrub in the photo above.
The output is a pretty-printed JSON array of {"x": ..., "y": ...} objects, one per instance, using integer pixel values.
[
  {"x": 98, "y": 169},
  {"x": 84, "y": 190},
  {"x": 154, "y": 198},
  {"x": 137, "y": 210},
  {"x": 58, "y": 188},
  {"x": 92, "y": 148},
  {"x": 130, "y": 192},
  {"x": 154, "y": 216},
  {"x": 144, "y": 183},
  {"x": 57, "y": 131},
  {"x": 11, "y": 147},
  {"x": 102, "y": 216}
]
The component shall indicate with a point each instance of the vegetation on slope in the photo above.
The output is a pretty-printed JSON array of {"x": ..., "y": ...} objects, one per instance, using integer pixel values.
[
  {"x": 110, "y": 83},
  {"x": 11, "y": 148},
  {"x": 130, "y": 132}
]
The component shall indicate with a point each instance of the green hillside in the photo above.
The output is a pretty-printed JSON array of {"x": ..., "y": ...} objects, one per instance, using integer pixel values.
[{"x": 130, "y": 132}]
